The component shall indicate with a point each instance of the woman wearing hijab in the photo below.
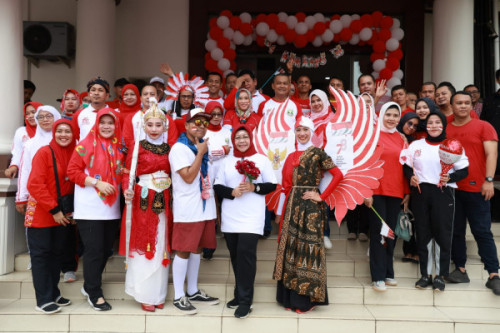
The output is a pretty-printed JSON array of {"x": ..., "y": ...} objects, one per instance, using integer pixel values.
[
  {"x": 423, "y": 107},
  {"x": 242, "y": 221},
  {"x": 219, "y": 137},
  {"x": 45, "y": 222},
  {"x": 321, "y": 114},
  {"x": 84, "y": 100},
  {"x": 130, "y": 102},
  {"x": 22, "y": 135},
  {"x": 387, "y": 198},
  {"x": 70, "y": 103},
  {"x": 149, "y": 246},
  {"x": 300, "y": 267},
  {"x": 96, "y": 167},
  {"x": 433, "y": 205},
  {"x": 243, "y": 113}
]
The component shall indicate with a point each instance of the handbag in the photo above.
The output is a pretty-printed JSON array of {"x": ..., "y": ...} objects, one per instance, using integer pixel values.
[
  {"x": 66, "y": 202},
  {"x": 404, "y": 228}
]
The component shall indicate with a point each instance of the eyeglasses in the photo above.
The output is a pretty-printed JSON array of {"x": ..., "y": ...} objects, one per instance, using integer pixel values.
[
  {"x": 199, "y": 122},
  {"x": 216, "y": 115},
  {"x": 186, "y": 96},
  {"x": 412, "y": 124},
  {"x": 48, "y": 117}
]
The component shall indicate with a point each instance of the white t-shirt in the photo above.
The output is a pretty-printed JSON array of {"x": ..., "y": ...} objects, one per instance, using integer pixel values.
[
  {"x": 216, "y": 152},
  {"x": 20, "y": 138},
  {"x": 187, "y": 201},
  {"x": 245, "y": 214},
  {"x": 257, "y": 98},
  {"x": 86, "y": 120},
  {"x": 426, "y": 162}
]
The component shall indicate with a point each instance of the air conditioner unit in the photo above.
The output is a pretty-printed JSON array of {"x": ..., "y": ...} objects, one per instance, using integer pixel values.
[{"x": 48, "y": 40}]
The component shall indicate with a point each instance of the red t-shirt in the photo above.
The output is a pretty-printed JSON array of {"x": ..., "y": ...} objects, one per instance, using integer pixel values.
[
  {"x": 451, "y": 117},
  {"x": 405, "y": 111},
  {"x": 304, "y": 104},
  {"x": 472, "y": 135}
]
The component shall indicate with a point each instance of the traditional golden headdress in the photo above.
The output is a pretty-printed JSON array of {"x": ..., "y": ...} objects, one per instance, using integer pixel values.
[{"x": 155, "y": 112}]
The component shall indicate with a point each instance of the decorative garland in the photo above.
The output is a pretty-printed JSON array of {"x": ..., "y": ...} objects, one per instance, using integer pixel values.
[{"x": 383, "y": 33}]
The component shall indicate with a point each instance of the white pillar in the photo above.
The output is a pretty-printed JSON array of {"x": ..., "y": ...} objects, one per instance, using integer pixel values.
[
  {"x": 453, "y": 42},
  {"x": 95, "y": 38},
  {"x": 11, "y": 95}
]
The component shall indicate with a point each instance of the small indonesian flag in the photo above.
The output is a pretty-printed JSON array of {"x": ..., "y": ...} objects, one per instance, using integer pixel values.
[{"x": 386, "y": 231}]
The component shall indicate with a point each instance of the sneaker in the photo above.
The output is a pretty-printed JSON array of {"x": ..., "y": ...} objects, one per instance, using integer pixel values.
[
  {"x": 61, "y": 301},
  {"x": 351, "y": 236},
  {"x": 458, "y": 277},
  {"x": 438, "y": 283},
  {"x": 243, "y": 311},
  {"x": 48, "y": 308},
  {"x": 232, "y": 304},
  {"x": 98, "y": 307},
  {"x": 363, "y": 237},
  {"x": 494, "y": 284},
  {"x": 208, "y": 254},
  {"x": 379, "y": 286},
  {"x": 424, "y": 282},
  {"x": 266, "y": 234},
  {"x": 391, "y": 282},
  {"x": 201, "y": 297},
  {"x": 328, "y": 243},
  {"x": 184, "y": 305},
  {"x": 69, "y": 276}
]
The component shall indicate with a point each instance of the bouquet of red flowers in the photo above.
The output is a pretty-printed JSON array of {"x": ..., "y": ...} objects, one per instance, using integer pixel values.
[{"x": 248, "y": 169}]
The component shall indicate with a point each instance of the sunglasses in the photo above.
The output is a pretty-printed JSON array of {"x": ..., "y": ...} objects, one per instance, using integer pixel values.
[
  {"x": 199, "y": 122},
  {"x": 412, "y": 124}
]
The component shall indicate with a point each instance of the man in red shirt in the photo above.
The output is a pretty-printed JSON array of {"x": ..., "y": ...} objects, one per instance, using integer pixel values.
[
  {"x": 303, "y": 89},
  {"x": 473, "y": 195},
  {"x": 400, "y": 96}
]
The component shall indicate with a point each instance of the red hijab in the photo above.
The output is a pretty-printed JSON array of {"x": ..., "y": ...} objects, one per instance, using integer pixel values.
[
  {"x": 209, "y": 108},
  {"x": 82, "y": 96},
  {"x": 251, "y": 150},
  {"x": 126, "y": 109},
  {"x": 74, "y": 92},
  {"x": 63, "y": 154},
  {"x": 30, "y": 129},
  {"x": 103, "y": 156}
]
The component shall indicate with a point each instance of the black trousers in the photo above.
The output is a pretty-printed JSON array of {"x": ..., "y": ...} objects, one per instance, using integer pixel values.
[
  {"x": 243, "y": 251},
  {"x": 357, "y": 220},
  {"x": 70, "y": 257},
  {"x": 433, "y": 209},
  {"x": 98, "y": 237},
  {"x": 46, "y": 252},
  {"x": 382, "y": 256}
]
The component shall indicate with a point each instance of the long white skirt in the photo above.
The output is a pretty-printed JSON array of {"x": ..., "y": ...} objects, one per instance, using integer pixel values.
[{"x": 147, "y": 280}]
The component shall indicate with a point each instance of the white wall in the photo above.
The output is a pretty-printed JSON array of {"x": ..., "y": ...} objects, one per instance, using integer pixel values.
[{"x": 428, "y": 47}]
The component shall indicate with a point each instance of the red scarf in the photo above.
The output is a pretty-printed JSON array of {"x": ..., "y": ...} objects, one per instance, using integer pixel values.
[
  {"x": 63, "y": 104},
  {"x": 103, "y": 157},
  {"x": 251, "y": 150},
  {"x": 209, "y": 108},
  {"x": 30, "y": 129},
  {"x": 126, "y": 109},
  {"x": 62, "y": 154}
]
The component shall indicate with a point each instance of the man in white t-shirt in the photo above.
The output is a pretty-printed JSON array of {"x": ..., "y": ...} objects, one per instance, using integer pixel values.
[{"x": 193, "y": 209}]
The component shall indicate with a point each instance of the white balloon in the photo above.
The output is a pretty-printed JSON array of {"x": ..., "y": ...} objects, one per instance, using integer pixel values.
[
  {"x": 355, "y": 17},
  {"x": 318, "y": 41},
  {"x": 365, "y": 34},
  {"x": 272, "y": 36},
  {"x": 224, "y": 64},
  {"x": 354, "y": 39},
  {"x": 398, "y": 73},
  {"x": 310, "y": 21},
  {"x": 262, "y": 29},
  {"x": 238, "y": 38},
  {"x": 217, "y": 54},
  {"x": 392, "y": 44},
  {"x": 375, "y": 75},
  {"x": 346, "y": 20},
  {"x": 393, "y": 81},
  {"x": 378, "y": 65},
  {"x": 246, "y": 17},
  {"x": 248, "y": 40},
  {"x": 397, "y": 33},
  {"x": 281, "y": 40},
  {"x": 228, "y": 33},
  {"x": 327, "y": 36},
  {"x": 210, "y": 44},
  {"x": 301, "y": 28},
  {"x": 291, "y": 21},
  {"x": 226, "y": 73},
  {"x": 396, "y": 23},
  {"x": 336, "y": 26},
  {"x": 319, "y": 17},
  {"x": 282, "y": 16},
  {"x": 223, "y": 22}
]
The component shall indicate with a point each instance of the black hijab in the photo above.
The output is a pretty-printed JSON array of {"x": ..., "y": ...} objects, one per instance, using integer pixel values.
[
  {"x": 404, "y": 119},
  {"x": 422, "y": 125},
  {"x": 441, "y": 136}
]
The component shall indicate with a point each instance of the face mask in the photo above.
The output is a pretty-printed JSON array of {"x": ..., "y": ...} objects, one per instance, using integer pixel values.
[{"x": 85, "y": 105}]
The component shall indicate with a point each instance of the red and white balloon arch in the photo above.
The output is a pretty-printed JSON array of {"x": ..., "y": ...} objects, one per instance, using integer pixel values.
[{"x": 383, "y": 33}]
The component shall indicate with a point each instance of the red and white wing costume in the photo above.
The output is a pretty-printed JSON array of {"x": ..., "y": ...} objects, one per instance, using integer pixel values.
[{"x": 196, "y": 83}]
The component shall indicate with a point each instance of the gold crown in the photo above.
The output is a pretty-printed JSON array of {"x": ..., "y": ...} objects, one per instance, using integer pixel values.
[{"x": 154, "y": 112}]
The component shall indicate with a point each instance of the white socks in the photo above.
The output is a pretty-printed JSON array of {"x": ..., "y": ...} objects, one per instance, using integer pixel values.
[
  {"x": 192, "y": 273},
  {"x": 179, "y": 269}
]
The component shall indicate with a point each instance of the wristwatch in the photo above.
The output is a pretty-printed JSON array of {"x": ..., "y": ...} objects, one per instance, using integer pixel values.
[
  {"x": 489, "y": 179},
  {"x": 94, "y": 182},
  {"x": 257, "y": 189}
]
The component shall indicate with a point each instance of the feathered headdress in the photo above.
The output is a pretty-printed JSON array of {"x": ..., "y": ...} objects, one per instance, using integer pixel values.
[{"x": 180, "y": 81}]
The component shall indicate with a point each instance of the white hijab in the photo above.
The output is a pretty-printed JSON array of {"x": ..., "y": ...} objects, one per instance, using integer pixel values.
[
  {"x": 381, "y": 115},
  {"x": 324, "y": 99},
  {"x": 305, "y": 122}
]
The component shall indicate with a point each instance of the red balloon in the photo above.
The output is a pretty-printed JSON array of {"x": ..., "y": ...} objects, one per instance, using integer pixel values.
[
  {"x": 208, "y": 56},
  {"x": 336, "y": 17},
  {"x": 290, "y": 35},
  {"x": 319, "y": 28},
  {"x": 211, "y": 65},
  {"x": 227, "y": 13},
  {"x": 216, "y": 33},
  {"x": 260, "y": 18},
  {"x": 253, "y": 23},
  {"x": 301, "y": 17},
  {"x": 398, "y": 54},
  {"x": 376, "y": 17},
  {"x": 362, "y": 43},
  {"x": 261, "y": 40},
  {"x": 223, "y": 43},
  {"x": 272, "y": 20},
  {"x": 356, "y": 26},
  {"x": 367, "y": 20},
  {"x": 386, "y": 22},
  {"x": 379, "y": 46},
  {"x": 232, "y": 66},
  {"x": 346, "y": 34},
  {"x": 212, "y": 22},
  {"x": 336, "y": 38},
  {"x": 373, "y": 39},
  {"x": 384, "y": 34},
  {"x": 385, "y": 74},
  {"x": 375, "y": 56},
  {"x": 281, "y": 28},
  {"x": 246, "y": 29},
  {"x": 235, "y": 22},
  {"x": 301, "y": 41},
  {"x": 230, "y": 54},
  {"x": 392, "y": 63},
  {"x": 311, "y": 35}
]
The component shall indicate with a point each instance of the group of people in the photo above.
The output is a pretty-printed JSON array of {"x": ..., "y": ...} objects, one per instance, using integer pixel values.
[{"x": 184, "y": 165}]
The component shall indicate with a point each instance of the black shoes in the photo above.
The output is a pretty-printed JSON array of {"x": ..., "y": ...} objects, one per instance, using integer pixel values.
[
  {"x": 424, "y": 282},
  {"x": 232, "y": 304},
  {"x": 61, "y": 301},
  {"x": 458, "y": 277},
  {"x": 98, "y": 307},
  {"x": 438, "y": 283},
  {"x": 494, "y": 284},
  {"x": 48, "y": 308},
  {"x": 201, "y": 297},
  {"x": 183, "y": 305},
  {"x": 243, "y": 311}
]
